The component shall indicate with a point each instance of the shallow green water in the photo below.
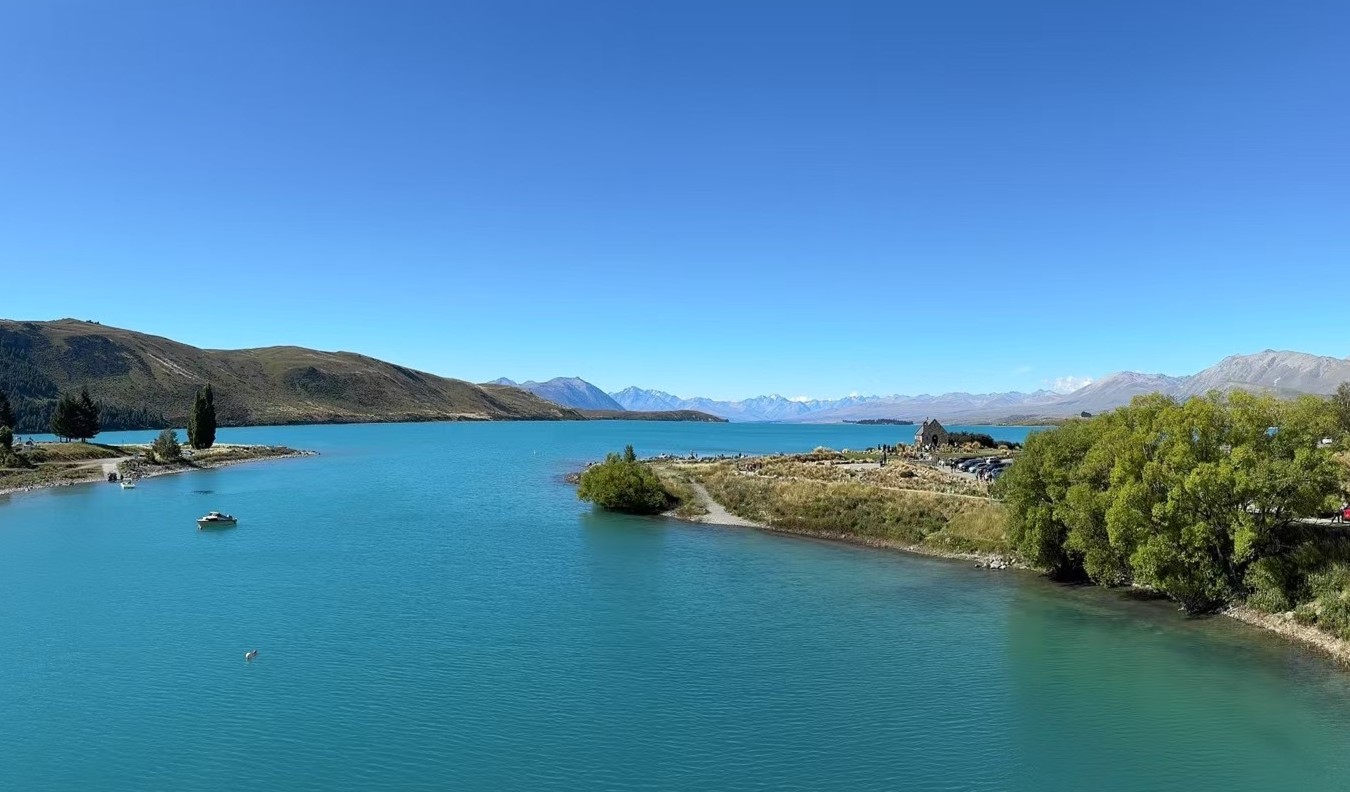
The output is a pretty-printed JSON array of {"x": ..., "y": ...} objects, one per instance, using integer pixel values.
[{"x": 434, "y": 610}]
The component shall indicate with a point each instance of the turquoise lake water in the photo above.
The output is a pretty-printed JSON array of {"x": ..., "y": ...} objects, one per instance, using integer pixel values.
[{"x": 434, "y": 610}]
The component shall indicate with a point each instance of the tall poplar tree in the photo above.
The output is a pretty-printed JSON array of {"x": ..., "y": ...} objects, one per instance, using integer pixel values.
[{"x": 202, "y": 420}]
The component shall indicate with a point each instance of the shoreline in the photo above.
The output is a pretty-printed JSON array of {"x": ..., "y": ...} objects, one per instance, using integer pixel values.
[
  {"x": 1283, "y": 625},
  {"x": 98, "y": 476},
  {"x": 1279, "y": 624}
]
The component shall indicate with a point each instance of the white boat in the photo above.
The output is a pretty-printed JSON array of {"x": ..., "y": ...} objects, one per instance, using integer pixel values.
[
  {"x": 128, "y": 483},
  {"x": 217, "y": 520}
]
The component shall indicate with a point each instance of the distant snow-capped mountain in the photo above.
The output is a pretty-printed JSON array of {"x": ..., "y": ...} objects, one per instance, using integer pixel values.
[
  {"x": 567, "y": 392},
  {"x": 1282, "y": 373}
]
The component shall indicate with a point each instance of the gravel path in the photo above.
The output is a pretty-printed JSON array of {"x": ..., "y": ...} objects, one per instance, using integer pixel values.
[{"x": 717, "y": 515}]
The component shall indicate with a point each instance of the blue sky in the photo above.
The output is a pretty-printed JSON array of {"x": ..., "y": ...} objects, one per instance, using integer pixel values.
[{"x": 711, "y": 198}]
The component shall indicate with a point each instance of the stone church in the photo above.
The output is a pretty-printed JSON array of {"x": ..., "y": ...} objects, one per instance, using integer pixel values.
[{"x": 930, "y": 435}]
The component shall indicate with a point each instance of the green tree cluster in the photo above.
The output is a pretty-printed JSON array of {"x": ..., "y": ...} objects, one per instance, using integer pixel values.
[
  {"x": 1204, "y": 500},
  {"x": 76, "y": 419},
  {"x": 6, "y": 424},
  {"x": 6, "y": 412},
  {"x": 623, "y": 484},
  {"x": 1340, "y": 402},
  {"x": 201, "y": 426}
]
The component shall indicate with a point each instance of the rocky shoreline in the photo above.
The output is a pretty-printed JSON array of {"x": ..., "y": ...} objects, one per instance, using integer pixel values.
[{"x": 1283, "y": 625}]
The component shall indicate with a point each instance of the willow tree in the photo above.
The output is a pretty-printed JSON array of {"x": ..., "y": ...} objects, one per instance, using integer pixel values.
[{"x": 1181, "y": 497}]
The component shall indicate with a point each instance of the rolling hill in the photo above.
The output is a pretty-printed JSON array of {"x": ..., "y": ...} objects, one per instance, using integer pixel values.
[{"x": 146, "y": 381}]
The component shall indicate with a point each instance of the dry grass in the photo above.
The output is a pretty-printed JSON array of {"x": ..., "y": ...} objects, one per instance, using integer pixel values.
[
  {"x": 677, "y": 482},
  {"x": 58, "y": 453},
  {"x": 795, "y": 496},
  {"x": 897, "y": 474}
]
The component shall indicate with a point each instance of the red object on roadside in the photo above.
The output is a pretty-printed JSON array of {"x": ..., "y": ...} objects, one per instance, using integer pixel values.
[{"x": 1345, "y": 515}]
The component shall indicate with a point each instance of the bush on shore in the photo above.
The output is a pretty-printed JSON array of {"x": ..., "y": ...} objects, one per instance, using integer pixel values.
[
  {"x": 1204, "y": 500},
  {"x": 623, "y": 484},
  {"x": 166, "y": 448}
]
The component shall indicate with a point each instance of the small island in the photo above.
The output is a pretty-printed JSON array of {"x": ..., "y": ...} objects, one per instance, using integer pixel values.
[{"x": 881, "y": 422}]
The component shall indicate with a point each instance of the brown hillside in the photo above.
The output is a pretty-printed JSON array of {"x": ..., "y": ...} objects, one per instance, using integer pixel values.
[{"x": 146, "y": 378}]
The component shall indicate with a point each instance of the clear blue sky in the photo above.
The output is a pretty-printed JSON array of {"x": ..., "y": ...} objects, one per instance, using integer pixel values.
[{"x": 711, "y": 198}]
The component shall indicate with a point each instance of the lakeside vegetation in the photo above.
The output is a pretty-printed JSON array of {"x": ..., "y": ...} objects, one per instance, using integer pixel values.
[
  {"x": 1216, "y": 502},
  {"x": 1213, "y": 501},
  {"x": 621, "y": 483}
]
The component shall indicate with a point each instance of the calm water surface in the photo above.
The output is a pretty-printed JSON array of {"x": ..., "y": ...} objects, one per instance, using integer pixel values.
[{"x": 435, "y": 610}]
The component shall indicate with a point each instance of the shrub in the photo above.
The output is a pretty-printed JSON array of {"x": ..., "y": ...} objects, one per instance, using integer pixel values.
[
  {"x": 623, "y": 484},
  {"x": 6, "y": 438},
  {"x": 166, "y": 447}
]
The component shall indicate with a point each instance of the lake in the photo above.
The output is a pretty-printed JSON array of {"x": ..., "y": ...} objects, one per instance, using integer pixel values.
[{"x": 433, "y": 609}]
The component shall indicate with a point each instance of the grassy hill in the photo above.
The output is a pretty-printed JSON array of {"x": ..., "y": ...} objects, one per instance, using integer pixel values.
[{"x": 146, "y": 381}]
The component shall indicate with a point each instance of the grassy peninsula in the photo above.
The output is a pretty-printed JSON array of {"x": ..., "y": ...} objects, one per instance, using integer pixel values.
[
  {"x": 44, "y": 465},
  {"x": 849, "y": 497},
  {"x": 1224, "y": 503}
]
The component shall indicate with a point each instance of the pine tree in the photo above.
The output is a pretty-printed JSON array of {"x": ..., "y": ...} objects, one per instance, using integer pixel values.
[
  {"x": 66, "y": 419},
  {"x": 6, "y": 411},
  {"x": 87, "y": 413},
  {"x": 202, "y": 420}
]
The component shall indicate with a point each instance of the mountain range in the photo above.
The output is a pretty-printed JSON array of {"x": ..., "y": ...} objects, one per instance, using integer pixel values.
[
  {"x": 567, "y": 391},
  {"x": 1280, "y": 373},
  {"x": 145, "y": 381}
]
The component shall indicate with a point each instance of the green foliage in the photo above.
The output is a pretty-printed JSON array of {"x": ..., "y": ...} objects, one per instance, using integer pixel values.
[
  {"x": 1036, "y": 493},
  {"x": 65, "y": 420},
  {"x": 1201, "y": 500},
  {"x": 166, "y": 447},
  {"x": 87, "y": 414},
  {"x": 6, "y": 412},
  {"x": 201, "y": 426},
  {"x": 1341, "y": 404},
  {"x": 978, "y": 438},
  {"x": 76, "y": 419},
  {"x": 623, "y": 484},
  {"x": 6, "y": 438}
]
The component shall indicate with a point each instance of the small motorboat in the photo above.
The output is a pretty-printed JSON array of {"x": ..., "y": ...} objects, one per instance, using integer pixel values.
[
  {"x": 128, "y": 483},
  {"x": 250, "y": 655},
  {"x": 217, "y": 520}
]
